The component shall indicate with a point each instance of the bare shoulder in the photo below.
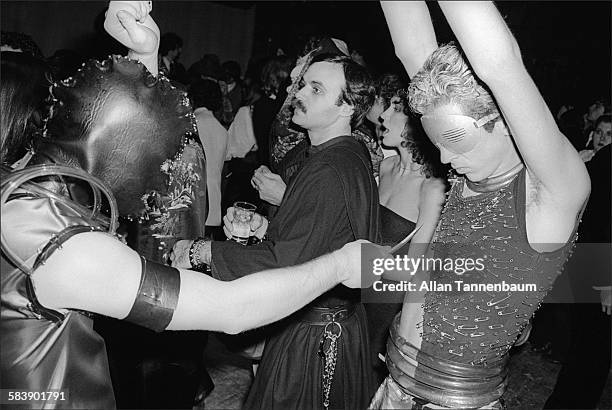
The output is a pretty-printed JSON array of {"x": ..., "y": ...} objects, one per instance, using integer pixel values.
[
  {"x": 89, "y": 269},
  {"x": 433, "y": 186},
  {"x": 432, "y": 190}
]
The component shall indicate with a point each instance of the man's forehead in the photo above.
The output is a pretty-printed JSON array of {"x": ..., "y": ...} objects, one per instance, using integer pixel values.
[{"x": 330, "y": 75}]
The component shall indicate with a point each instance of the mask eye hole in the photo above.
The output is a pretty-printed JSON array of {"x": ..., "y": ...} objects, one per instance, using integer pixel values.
[{"x": 454, "y": 135}]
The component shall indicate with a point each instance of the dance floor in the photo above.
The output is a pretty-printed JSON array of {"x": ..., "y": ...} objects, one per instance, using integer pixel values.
[{"x": 532, "y": 378}]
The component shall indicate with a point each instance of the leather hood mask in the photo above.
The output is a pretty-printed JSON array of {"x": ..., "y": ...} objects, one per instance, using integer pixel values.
[{"x": 119, "y": 123}]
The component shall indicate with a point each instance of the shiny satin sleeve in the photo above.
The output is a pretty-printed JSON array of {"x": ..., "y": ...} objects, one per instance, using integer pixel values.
[
  {"x": 39, "y": 354},
  {"x": 29, "y": 223}
]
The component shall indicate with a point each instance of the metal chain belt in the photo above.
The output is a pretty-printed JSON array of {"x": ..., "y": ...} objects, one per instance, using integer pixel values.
[{"x": 328, "y": 351}]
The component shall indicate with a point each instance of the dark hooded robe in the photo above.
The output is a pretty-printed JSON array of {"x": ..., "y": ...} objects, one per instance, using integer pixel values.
[{"x": 330, "y": 201}]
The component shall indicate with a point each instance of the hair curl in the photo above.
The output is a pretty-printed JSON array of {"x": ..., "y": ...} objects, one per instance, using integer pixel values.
[
  {"x": 446, "y": 78},
  {"x": 358, "y": 90},
  {"x": 23, "y": 92},
  {"x": 387, "y": 86},
  {"x": 420, "y": 147}
]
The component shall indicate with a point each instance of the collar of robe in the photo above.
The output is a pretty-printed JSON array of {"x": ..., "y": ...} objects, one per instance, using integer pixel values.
[{"x": 318, "y": 148}]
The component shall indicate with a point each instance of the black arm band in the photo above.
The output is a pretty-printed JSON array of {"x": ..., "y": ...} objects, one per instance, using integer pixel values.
[{"x": 157, "y": 296}]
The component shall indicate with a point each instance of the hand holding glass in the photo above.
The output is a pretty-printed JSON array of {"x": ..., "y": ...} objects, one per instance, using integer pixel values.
[{"x": 241, "y": 223}]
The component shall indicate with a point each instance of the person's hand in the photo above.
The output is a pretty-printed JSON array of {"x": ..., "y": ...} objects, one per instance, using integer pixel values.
[
  {"x": 259, "y": 224},
  {"x": 354, "y": 256},
  {"x": 129, "y": 23},
  {"x": 270, "y": 186},
  {"x": 180, "y": 254},
  {"x": 586, "y": 155}
]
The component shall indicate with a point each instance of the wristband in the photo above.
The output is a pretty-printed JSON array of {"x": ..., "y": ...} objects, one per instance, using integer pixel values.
[
  {"x": 254, "y": 240},
  {"x": 194, "y": 254}
]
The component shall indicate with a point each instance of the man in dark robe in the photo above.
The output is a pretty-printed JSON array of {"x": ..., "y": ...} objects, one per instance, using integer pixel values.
[{"x": 319, "y": 356}]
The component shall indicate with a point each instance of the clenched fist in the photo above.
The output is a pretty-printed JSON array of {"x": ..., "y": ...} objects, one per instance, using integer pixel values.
[
  {"x": 129, "y": 23},
  {"x": 270, "y": 186}
]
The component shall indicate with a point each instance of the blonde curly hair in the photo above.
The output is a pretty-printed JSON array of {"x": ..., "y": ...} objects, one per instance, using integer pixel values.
[{"x": 446, "y": 78}]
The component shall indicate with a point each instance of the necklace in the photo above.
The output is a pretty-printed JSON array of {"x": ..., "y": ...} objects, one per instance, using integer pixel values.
[{"x": 494, "y": 183}]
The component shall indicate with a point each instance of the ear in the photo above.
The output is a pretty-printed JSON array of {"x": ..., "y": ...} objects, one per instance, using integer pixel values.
[{"x": 346, "y": 110}]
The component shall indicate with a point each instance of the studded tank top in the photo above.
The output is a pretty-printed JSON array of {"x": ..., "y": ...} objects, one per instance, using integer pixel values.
[{"x": 482, "y": 311}]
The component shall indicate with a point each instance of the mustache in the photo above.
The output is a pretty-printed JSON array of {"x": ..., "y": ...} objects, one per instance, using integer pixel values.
[{"x": 297, "y": 104}]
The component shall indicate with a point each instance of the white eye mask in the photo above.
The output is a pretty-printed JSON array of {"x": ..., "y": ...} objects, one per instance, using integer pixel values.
[{"x": 456, "y": 133}]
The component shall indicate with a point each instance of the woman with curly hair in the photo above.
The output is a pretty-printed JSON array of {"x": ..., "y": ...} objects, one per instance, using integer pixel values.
[
  {"x": 410, "y": 181},
  {"x": 411, "y": 193}
]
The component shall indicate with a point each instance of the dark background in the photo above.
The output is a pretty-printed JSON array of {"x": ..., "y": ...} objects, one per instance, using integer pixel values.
[{"x": 565, "y": 44}]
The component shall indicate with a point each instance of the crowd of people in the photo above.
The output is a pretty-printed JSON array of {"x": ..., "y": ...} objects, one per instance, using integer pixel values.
[{"x": 119, "y": 179}]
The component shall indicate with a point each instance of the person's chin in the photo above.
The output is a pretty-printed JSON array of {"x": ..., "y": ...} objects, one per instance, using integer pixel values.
[
  {"x": 298, "y": 118},
  {"x": 388, "y": 140}
]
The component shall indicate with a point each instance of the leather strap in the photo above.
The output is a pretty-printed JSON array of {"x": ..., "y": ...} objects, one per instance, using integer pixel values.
[
  {"x": 157, "y": 296},
  {"x": 321, "y": 316},
  {"x": 58, "y": 240},
  {"x": 54, "y": 244}
]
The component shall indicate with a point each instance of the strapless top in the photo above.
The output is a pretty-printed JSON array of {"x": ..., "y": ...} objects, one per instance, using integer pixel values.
[{"x": 393, "y": 227}]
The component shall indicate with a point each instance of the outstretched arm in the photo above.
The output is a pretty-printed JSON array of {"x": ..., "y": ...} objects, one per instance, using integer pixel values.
[
  {"x": 129, "y": 23},
  {"x": 97, "y": 273},
  {"x": 412, "y": 32},
  {"x": 495, "y": 56}
]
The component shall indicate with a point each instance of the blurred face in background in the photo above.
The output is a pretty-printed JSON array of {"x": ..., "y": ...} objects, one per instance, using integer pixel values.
[
  {"x": 174, "y": 55},
  {"x": 595, "y": 111},
  {"x": 602, "y": 135}
]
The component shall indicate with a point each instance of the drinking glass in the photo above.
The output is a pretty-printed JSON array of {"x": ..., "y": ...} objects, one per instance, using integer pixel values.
[{"x": 241, "y": 225}]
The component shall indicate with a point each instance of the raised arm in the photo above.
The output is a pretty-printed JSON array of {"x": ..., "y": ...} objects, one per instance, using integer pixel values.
[
  {"x": 97, "y": 273},
  {"x": 553, "y": 164},
  {"x": 411, "y": 31},
  {"x": 129, "y": 23}
]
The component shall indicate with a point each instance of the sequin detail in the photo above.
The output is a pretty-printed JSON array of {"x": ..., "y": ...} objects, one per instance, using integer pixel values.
[{"x": 476, "y": 327}]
